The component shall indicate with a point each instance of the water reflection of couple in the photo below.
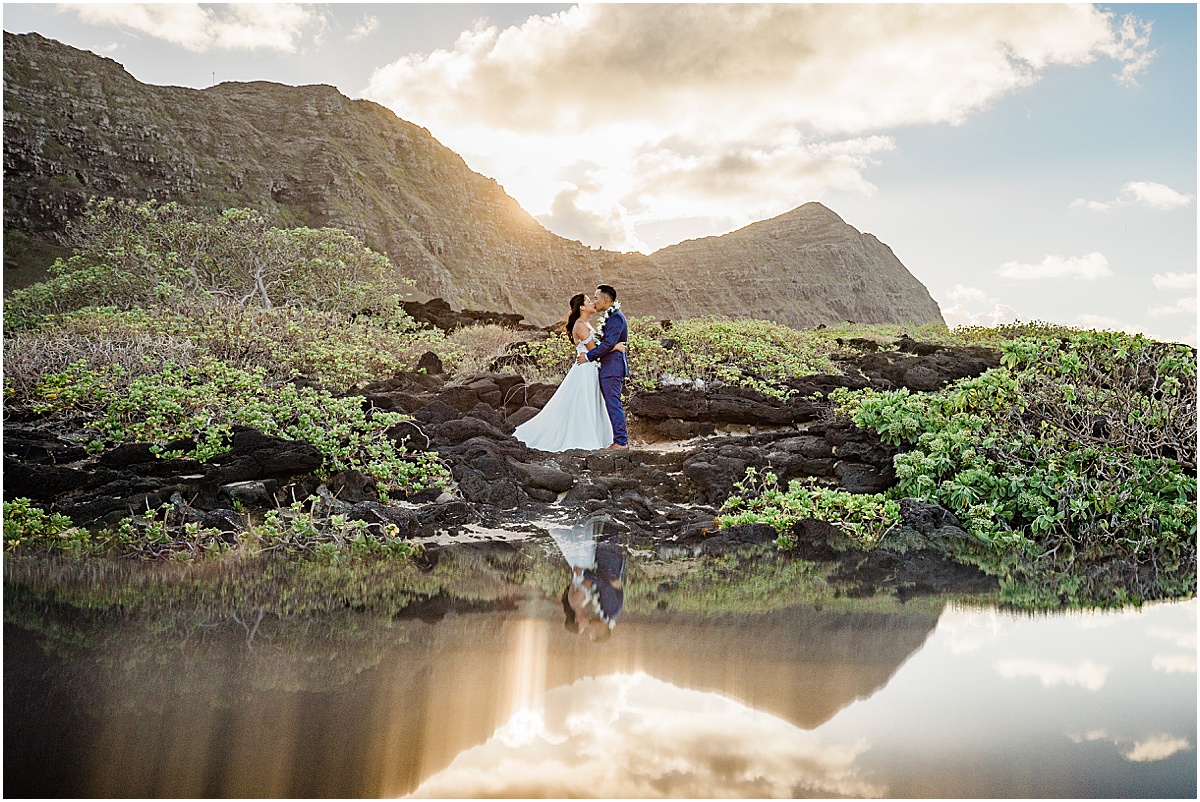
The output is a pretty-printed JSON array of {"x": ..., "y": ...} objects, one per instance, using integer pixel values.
[{"x": 595, "y": 594}]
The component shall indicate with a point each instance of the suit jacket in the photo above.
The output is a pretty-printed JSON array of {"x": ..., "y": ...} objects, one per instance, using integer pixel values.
[
  {"x": 612, "y": 363},
  {"x": 610, "y": 566}
]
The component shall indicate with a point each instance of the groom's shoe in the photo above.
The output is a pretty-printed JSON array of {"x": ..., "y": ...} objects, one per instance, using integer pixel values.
[{"x": 617, "y": 446}]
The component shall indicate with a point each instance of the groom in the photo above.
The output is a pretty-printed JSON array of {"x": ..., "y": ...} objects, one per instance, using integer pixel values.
[{"x": 613, "y": 367}]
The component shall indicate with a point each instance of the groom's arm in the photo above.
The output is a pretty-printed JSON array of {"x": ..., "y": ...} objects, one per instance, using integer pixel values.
[{"x": 612, "y": 336}]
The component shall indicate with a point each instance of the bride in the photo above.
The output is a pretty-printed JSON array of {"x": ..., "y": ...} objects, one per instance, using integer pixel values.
[{"x": 575, "y": 417}]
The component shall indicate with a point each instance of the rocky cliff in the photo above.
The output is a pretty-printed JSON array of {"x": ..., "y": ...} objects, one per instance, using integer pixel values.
[{"x": 77, "y": 125}]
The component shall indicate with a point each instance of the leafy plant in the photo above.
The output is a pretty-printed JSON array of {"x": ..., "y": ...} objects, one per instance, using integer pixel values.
[
  {"x": 864, "y": 519},
  {"x": 204, "y": 401},
  {"x": 1076, "y": 458}
]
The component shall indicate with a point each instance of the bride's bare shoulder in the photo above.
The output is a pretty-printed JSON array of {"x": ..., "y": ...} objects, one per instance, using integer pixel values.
[{"x": 582, "y": 332}]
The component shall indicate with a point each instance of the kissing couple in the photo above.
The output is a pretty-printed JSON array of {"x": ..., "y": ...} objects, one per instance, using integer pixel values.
[{"x": 585, "y": 411}]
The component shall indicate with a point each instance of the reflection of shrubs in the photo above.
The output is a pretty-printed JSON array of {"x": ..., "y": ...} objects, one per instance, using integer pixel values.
[{"x": 166, "y": 533}]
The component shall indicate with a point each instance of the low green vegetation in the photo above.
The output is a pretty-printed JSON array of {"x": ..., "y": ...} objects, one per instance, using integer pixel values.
[
  {"x": 756, "y": 354},
  {"x": 1072, "y": 466},
  {"x": 170, "y": 327},
  {"x": 863, "y": 518},
  {"x": 166, "y": 533}
]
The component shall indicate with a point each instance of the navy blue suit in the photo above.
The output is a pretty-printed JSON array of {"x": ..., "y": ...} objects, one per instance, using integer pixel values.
[
  {"x": 610, "y": 567},
  {"x": 613, "y": 370}
]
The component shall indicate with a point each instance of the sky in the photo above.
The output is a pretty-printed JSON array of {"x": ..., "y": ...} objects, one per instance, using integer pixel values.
[{"x": 1025, "y": 162}]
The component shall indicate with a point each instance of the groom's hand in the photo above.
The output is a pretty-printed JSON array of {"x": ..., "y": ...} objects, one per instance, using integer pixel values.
[{"x": 581, "y": 359}]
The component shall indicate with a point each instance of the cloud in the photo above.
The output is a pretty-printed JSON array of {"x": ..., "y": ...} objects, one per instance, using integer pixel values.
[
  {"x": 1145, "y": 193},
  {"x": 602, "y": 229},
  {"x": 1158, "y": 747},
  {"x": 363, "y": 29},
  {"x": 1090, "y": 321},
  {"x": 1175, "y": 281},
  {"x": 1089, "y": 267},
  {"x": 1184, "y": 306},
  {"x": 974, "y": 307},
  {"x": 960, "y": 315},
  {"x": 730, "y": 112},
  {"x": 276, "y": 26},
  {"x": 1086, "y": 674}
]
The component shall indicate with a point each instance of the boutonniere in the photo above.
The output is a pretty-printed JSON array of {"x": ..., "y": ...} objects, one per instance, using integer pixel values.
[{"x": 604, "y": 318}]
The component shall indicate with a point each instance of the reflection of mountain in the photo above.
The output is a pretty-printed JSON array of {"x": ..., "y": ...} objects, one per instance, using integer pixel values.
[
  {"x": 449, "y": 687},
  {"x": 634, "y": 736}
]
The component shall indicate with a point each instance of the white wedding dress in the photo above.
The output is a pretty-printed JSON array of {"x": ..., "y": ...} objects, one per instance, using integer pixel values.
[{"x": 575, "y": 416}]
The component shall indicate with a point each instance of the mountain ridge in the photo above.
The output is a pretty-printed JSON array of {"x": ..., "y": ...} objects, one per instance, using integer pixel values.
[{"x": 78, "y": 125}]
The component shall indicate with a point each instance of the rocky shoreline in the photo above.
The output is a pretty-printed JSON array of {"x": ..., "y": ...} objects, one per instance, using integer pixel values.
[{"x": 691, "y": 445}]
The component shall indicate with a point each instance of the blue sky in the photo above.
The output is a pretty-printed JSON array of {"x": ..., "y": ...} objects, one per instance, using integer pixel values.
[{"x": 1031, "y": 162}]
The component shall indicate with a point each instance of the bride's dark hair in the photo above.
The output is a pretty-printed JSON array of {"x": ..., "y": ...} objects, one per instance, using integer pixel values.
[{"x": 576, "y": 303}]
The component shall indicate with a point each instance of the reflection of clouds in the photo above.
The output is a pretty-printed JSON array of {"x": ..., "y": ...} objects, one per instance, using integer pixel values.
[
  {"x": 1091, "y": 735},
  {"x": 635, "y": 736},
  {"x": 1183, "y": 638},
  {"x": 1144, "y": 750},
  {"x": 1174, "y": 663},
  {"x": 1086, "y": 674},
  {"x": 968, "y": 630},
  {"x": 1157, "y": 747}
]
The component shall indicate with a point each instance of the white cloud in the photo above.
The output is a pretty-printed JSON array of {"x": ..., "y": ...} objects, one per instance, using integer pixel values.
[
  {"x": 963, "y": 294},
  {"x": 1157, "y": 747},
  {"x": 1085, "y": 674},
  {"x": 1089, "y": 321},
  {"x": 364, "y": 28},
  {"x": 601, "y": 228},
  {"x": 1146, "y": 193},
  {"x": 974, "y": 307},
  {"x": 1175, "y": 281},
  {"x": 276, "y": 26},
  {"x": 1092, "y": 266},
  {"x": 728, "y": 112},
  {"x": 1184, "y": 306},
  {"x": 960, "y": 315},
  {"x": 1174, "y": 663}
]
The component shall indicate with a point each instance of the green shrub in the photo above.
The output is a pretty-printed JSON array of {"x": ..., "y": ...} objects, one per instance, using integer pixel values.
[
  {"x": 28, "y": 528},
  {"x": 756, "y": 354},
  {"x": 204, "y": 401},
  {"x": 864, "y": 519},
  {"x": 1079, "y": 452},
  {"x": 133, "y": 255}
]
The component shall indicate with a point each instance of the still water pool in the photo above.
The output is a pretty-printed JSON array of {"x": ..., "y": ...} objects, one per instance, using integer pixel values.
[{"x": 196, "y": 683}]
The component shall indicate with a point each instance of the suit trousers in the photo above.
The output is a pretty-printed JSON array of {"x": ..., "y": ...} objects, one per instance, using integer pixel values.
[{"x": 610, "y": 388}]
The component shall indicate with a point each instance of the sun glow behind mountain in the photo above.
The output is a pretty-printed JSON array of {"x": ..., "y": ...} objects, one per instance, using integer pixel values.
[{"x": 627, "y": 125}]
